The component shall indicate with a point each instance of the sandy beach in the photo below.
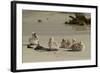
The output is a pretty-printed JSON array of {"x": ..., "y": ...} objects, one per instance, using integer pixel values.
[
  {"x": 31, "y": 55},
  {"x": 52, "y": 25}
]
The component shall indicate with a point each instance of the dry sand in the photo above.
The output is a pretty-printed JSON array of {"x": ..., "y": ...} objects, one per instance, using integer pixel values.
[{"x": 30, "y": 55}]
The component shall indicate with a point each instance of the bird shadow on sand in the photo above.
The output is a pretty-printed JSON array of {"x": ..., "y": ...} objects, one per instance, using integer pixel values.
[
  {"x": 43, "y": 49},
  {"x": 73, "y": 50}
]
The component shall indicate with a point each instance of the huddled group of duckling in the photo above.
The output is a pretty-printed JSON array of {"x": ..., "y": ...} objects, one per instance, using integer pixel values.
[{"x": 72, "y": 45}]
